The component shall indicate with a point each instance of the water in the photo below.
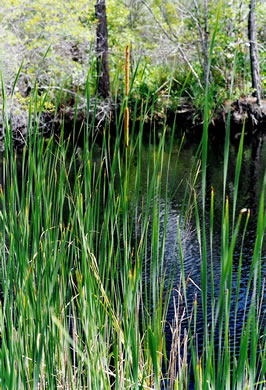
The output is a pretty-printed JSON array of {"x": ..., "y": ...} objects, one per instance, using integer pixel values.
[{"x": 250, "y": 186}]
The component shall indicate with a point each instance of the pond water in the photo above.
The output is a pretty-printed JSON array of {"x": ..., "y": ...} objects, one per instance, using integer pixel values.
[{"x": 250, "y": 186}]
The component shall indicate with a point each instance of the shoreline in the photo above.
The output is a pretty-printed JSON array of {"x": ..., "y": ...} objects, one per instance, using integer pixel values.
[{"x": 244, "y": 111}]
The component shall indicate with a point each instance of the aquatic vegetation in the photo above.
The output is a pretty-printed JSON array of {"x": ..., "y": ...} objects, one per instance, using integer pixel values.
[
  {"x": 86, "y": 285},
  {"x": 88, "y": 272}
]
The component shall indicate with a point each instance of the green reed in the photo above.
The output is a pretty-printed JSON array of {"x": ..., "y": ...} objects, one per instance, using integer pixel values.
[{"x": 85, "y": 285}]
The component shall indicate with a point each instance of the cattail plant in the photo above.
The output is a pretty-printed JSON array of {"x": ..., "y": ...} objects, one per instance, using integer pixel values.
[{"x": 126, "y": 123}]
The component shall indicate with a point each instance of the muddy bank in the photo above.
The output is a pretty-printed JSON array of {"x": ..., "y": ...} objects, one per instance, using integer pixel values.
[
  {"x": 245, "y": 111},
  {"x": 242, "y": 111}
]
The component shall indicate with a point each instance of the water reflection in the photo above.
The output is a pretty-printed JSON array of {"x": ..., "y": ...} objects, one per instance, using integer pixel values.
[{"x": 250, "y": 186}]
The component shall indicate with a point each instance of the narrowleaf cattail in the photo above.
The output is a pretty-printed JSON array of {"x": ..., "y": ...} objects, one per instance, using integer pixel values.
[
  {"x": 127, "y": 71},
  {"x": 126, "y": 123}
]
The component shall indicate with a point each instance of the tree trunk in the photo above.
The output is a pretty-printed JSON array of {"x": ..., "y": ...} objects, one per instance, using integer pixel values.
[
  {"x": 254, "y": 56},
  {"x": 103, "y": 81}
]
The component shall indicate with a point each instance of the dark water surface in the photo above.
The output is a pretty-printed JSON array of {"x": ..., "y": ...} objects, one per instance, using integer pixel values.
[{"x": 250, "y": 186}]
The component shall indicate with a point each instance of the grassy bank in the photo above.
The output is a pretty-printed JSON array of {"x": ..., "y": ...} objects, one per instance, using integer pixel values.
[{"x": 81, "y": 307}]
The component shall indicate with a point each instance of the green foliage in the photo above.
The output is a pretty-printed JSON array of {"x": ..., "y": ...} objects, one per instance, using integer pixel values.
[
  {"x": 42, "y": 103},
  {"x": 84, "y": 293},
  {"x": 154, "y": 31}
]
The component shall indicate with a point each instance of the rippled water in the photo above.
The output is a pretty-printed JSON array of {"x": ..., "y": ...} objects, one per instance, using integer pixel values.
[{"x": 250, "y": 185}]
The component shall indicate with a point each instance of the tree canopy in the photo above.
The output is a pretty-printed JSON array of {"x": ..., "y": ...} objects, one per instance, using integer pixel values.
[{"x": 168, "y": 39}]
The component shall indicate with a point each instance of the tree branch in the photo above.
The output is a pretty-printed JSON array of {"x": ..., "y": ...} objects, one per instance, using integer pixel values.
[{"x": 173, "y": 38}]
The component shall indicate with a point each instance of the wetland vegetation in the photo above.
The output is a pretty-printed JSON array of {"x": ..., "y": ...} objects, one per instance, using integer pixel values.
[{"x": 132, "y": 251}]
